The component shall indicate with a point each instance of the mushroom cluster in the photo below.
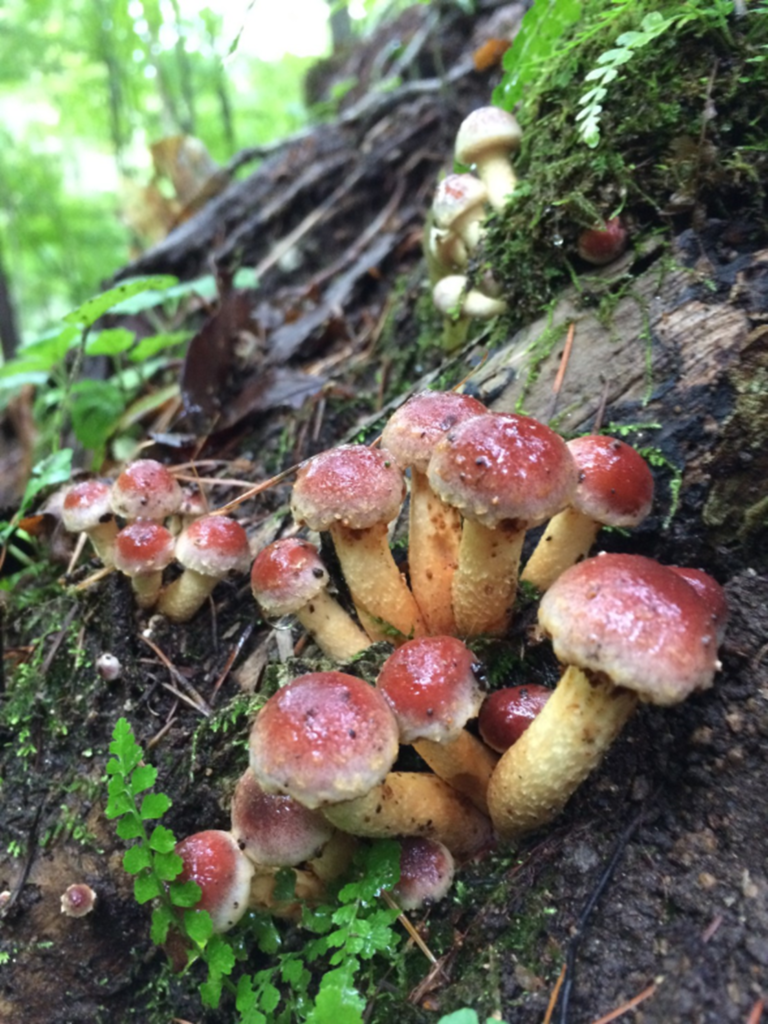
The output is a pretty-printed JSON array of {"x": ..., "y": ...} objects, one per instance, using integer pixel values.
[{"x": 142, "y": 522}]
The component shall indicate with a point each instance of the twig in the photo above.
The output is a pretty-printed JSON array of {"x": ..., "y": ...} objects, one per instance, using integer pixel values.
[
  {"x": 756, "y": 1014},
  {"x": 197, "y": 701},
  {"x": 231, "y": 660},
  {"x": 413, "y": 932},
  {"x": 629, "y": 1005},
  {"x": 560, "y": 377},
  {"x": 30, "y": 856},
  {"x": 257, "y": 489},
  {"x": 553, "y": 998},
  {"x": 58, "y": 641}
]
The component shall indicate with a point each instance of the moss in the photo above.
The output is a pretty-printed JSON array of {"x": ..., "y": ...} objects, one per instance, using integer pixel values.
[{"x": 662, "y": 159}]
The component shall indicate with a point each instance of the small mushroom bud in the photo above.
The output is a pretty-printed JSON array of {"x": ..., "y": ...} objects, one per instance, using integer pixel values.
[
  {"x": 108, "y": 667},
  {"x": 214, "y": 860},
  {"x": 426, "y": 873},
  {"x": 78, "y": 900},
  {"x": 601, "y": 245},
  {"x": 506, "y": 714}
]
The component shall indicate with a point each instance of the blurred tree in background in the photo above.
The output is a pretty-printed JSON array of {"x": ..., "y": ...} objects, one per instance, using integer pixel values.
[{"x": 91, "y": 91}]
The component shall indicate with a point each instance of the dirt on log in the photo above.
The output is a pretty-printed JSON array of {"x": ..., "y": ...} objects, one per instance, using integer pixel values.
[{"x": 653, "y": 885}]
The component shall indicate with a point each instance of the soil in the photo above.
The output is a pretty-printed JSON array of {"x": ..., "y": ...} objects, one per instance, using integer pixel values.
[{"x": 654, "y": 881}]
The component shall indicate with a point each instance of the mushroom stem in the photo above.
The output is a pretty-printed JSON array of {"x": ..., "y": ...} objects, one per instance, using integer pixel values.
[
  {"x": 485, "y": 583},
  {"x": 538, "y": 774},
  {"x": 325, "y": 619},
  {"x": 464, "y": 763},
  {"x": 434, "y": 534},
  {"x": 495, "y": 172},
  {"x": 567, "y": 539},
  {"x": 182, "y": 598},
  {"x": 146, "y": 588},
  {"x": 378, "y": 589},
  {"x": 414, "y": 804}
]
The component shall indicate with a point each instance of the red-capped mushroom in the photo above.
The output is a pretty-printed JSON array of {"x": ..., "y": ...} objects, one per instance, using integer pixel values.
[
  {"x": 432, "y": 689},
  {"x": 711, "y": 593},
  {"x": 146, "y": 489},
  {"x": 600, "y": 245},
  {"x": 273, "y": 829},
  {"x": 505, "y": 714},
  {"x": 142, "y": 550},
  {"x": 87, "y": 509},
  {"x": 216, "y": 863},
  {"x": 427, "y": 869},
  {"x": 288, "y": 578},
  {"x": 487, "y": 138},
  {"x": 615, "y": 488},
  {"x": 434, "y": 528},
  {"x": 628, "y": 630},
  {"x": 210, "y": 549},
  {"x": 78, "y": 900},
  {"x": 504, "y": 473},
  {"x": 354, "y": 492}
]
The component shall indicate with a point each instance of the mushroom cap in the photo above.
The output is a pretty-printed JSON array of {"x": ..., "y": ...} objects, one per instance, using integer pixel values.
[
  {"x": 426, "y": 872},
  {"x": 615, "y": 484},
  {"x": 324, "y": 738},
  {"x": 286, "y": 575},
  {"x": 353, "y": 485},
  {"x": 218, "y": 865},
  {"x": 213, "y": 546},
  {"x": 710, "y": 591},
  {"x": 275, "y": 829},
  {"x": 146, "y": 489},
  {"x": 78, "y": 900},
  {"x": 456, "y": 196},
  {"x": 143, "y": 547},
  {"x": 86, "y": 505},
  {"x": 486, "y": 130},
  {"x": 505, "y": 714},
  {"x": 634, "y": 621},
  {"x": 600, "y": 245},
  {"x": 431, "y": 687},
  {"x": 413, "y": 430},
  {"x": 503, "y": 466}
]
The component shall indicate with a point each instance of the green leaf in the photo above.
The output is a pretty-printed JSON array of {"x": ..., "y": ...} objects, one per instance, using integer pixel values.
[
  {"x": 110, "y": 342},
  {"x": 162, "y": 919},
  {"x": 268, "y": 938},
  {"x": 51, "y": 471},
  {"x": 124, "y": 746},
  {"x": 220, "y": 955},
  {"x": 120, "y": 803},
  {"x": 146, "y": 887},
  {"x": 285, "y": 885},
  {"x": 167, "y": 865},
  {"x": 96, "y": 407},
  {"x": 137, "y": 859},
  {"x": 198, "y": 925},
  {"x": 149, "y": 347},
  {"x": 154, "y": 805},
  {"x": 131, "y": 826},
  {"x": 144, "y": 777},
  {"x": 210, "y": 991},
  {"x": 162, "y": 839},
  {"x": 90, "y": 311},
  {"x": 337, "y": 1001},
  {"x": 185, "y": 894}
]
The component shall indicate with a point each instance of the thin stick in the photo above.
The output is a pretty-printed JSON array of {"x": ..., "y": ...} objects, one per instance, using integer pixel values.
[
  {"x": 553, "y": 998},
  {"x": 401, "y": 917},
  {"x": 231, "y": 660},
  {"x": 564, "y": 360},
  {"x": 198, "y": 701},
  {"x": 756, "y": 1014},
  {"x": 620, "y": 1010},
  {"x": 258, "y": 489}
]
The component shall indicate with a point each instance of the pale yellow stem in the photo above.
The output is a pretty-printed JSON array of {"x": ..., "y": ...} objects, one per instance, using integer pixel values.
[
  {"x": 146, "y": 588},
  {"x": 182, "y": 598},
  {"x": 464, "y": 763},
  {"x": 538, "y": 774},
  {"x": 485, "y": 583},
  {"x": 415, "y": 804},
  {"x": 434, "y": 535},
  {"x": 386, "y": 607},
  {"x": 335, "y": 632},
  {"x": 567, "y": 539}
]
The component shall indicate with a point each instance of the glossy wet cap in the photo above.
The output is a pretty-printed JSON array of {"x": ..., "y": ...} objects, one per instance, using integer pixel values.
[
  {"x": 615, "y": 484},
  {"x": 427, "y": 869},
  {"x": 214, "y": 546},
  {"x": 506, "y": 714},
  {"x": 503, "y": 466},
  {"x": 456, "y": 196},
  {"x": 218, "y": 865},
  {"x": 275, "y": 829},
  {"x": 637, "y": 622},
  {"x": 352, "y": 485},
  {"x": 86, "y": 505},
  {"x": 413, "y": 430},
  {"x": 143, "y": 547},
  {"x": 710, "y": 591},
  {"x": 487, "y": 129},
  {"x": 146, "y": 489},
  {"x": 324, "y": 738},
  {"x": 431, "y": 687},
  {"x": 286, "y": 575}
]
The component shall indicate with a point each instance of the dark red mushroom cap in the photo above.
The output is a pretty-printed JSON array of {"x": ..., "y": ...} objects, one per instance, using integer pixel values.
[
  {"x": 287, "y": 574},
  {"x": 636, "y": 622},
  {"x": 600, "y": 245},
  {"x": 143, "y": 547},
  {"x": 710, "y": 591},
  {"x": 615, "y": 484},
  {"x": 146, "y": 489},
  {"x": 426, "y": 872},
  {"x": 215, "y": 861},
  {"x": 86, "y": 505},
  {"x": 414, "y": 429},
  {"x": 505, "y": 714},
  {"x": 214, "y": 546},
  {"x": 431, "y": 687},
  {"x": 274, "y": 829},
  {"x": 503, "y": 466},
  {"x": 324, "y": 738},
  {"x": 353, "y": 485}
]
